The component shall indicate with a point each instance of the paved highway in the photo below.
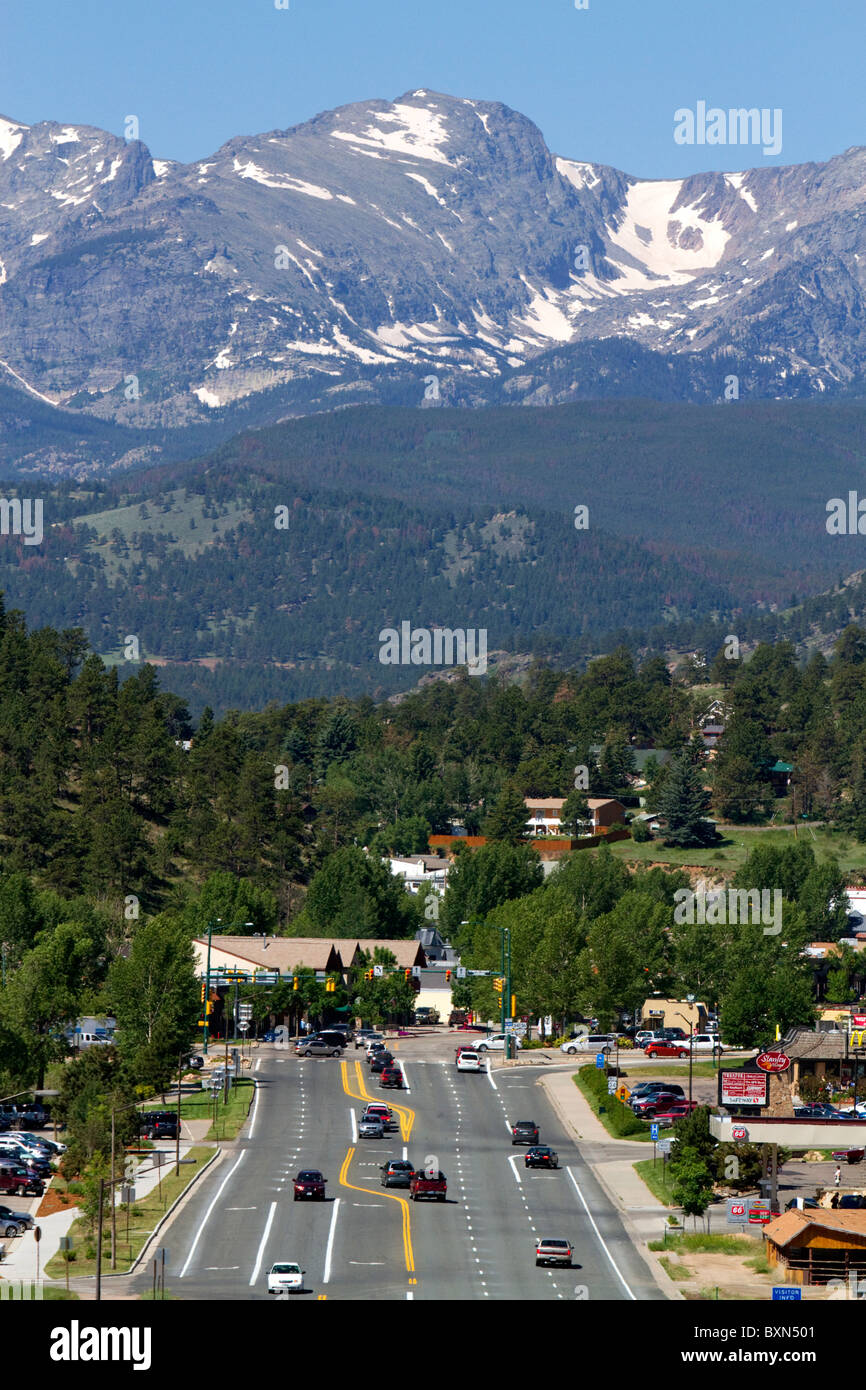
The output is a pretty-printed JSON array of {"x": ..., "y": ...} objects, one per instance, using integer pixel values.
[{"x": 366, "y": 1242}]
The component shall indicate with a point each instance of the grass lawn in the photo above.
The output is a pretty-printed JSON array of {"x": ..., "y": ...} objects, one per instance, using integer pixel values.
[
  {"x": 656, "y": 1176},
  {"x": 673, "y": 1271},
  {"x": 662, "y": 1073},
  {"x": 737, "y": 843},
  {"x": 200, "y": 1106},
  {"x": 144, "y": 1216}
]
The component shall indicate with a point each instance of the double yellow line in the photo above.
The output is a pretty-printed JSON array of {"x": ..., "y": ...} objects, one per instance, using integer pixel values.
[
  {"x": 407, "y": 1115},
  {"x": 407, "y": 1119}
]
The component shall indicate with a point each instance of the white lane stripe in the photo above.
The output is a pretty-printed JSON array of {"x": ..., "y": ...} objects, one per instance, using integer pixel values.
[
  {"x": 405, "y": 1078},
  {"x": 508, "y": 1126},
  {"x": 600, "y": 1237},
  {"x": 255, "y": 1111},
  {"x": 409, "y": 1295},
  {"x": 330, "y": 1247},
  {"x": 258, "y": 1064},
  {"x": 354, "y": 1125},
  {"x": 204, "y": 1220},
  {"x": 513, "y": 1162},
  {"x": 264, "y": 1240},
  {"x": 405, "y": 1153}
]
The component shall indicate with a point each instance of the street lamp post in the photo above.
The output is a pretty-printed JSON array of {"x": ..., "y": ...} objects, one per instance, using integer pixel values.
[
  {"x": 217, "y": 922},
  {"x": 690, "y": 1022}
]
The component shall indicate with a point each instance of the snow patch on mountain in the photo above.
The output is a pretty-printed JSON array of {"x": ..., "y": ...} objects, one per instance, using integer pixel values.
[
  {"x": 420, "y": 132},
  {"x": 11, "y": 135},
  {"x": 670, "y": 246}
]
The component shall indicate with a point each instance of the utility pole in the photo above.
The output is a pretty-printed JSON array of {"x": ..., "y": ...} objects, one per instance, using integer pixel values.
[{"x": 210, "y": 927}]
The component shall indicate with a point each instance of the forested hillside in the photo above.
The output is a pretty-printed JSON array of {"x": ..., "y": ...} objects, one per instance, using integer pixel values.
[{"x": 266, "y": 570}]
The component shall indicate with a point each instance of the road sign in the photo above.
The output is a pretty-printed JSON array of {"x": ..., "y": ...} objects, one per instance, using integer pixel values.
[
  {"x": 460, "y": 972},
  {"x": 664, "y": 1146},
  {"x": 611, "y": 1085},
  {"x": 759, "y": 1211},
  {"x": 623, "y": 1092},
  {"x": 378, "y": 970},
  {"x": 736, "y": 1210},
  {"x": 654, "y": 1133},
  {"x": 738, "y": 1132},
  {"x": 243, "y": 1026},
  {"x": 786, "y": 1293},
  {"x": 599, "y": 1060},
  {"x": 245, "y": 1010},
  {"x": 66, "y": 1242}
]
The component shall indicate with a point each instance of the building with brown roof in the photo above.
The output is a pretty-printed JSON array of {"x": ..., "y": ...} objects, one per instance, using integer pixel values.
[
  {"x": 817, "y": 1245},
  {"x": 282, "y": 954}
]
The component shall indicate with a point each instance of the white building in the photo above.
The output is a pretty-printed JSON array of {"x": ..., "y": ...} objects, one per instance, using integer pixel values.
[{"x": 421, "y": 872}]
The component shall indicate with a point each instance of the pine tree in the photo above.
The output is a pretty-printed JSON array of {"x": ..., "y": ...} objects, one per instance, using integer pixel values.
[
  {"x": 684, "y": 803},
  {"x": 508, "y": 817}
]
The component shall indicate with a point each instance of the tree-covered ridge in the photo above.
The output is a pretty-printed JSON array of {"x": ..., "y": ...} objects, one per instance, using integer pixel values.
[{"x": 278, "y": 558}]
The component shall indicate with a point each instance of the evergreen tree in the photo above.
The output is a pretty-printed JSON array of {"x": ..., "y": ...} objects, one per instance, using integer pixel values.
[
  {"x": 684, "y": 803},
  {"x": 508, "y": 817}
]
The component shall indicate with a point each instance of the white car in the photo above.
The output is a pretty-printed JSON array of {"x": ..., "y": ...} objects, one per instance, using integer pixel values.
[
  {"x": 707, "y": 1042},
  {"x": 469, "y": 1061},
  {"x": 589, "y": 1042},
  {"x": 496, "y": 1043},
  {"x": 285, "y": 1277}
]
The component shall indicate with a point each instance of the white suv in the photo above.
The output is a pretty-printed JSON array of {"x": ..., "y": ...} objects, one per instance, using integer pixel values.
[
  {"x": 469, "y": 1061},
  {"x": 589, "y": 1042}
]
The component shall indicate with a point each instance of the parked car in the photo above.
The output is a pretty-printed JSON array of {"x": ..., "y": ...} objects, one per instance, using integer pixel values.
[
  {"x": 706, "y": 1042},
  {"x": 554, "y": 1252},
  {"x": 666, "y": 1049},
  {"x": 852, "y": 1201},
  {"x": 15, "y": 1223},
  {"x": 195, "y": 1062},
  {"x": 333, "y": 1036},
  {"x": 285, "y": 1277},
  {"x": 309, "y": 1183},
  {"x": 397, "y": 1172},
  {"x": 270, "y": 1036},
  {"x": 159, "y": 1124},
  {"x": 469, "y": 1061},
  {"x": 801, "y": 1204},
  {"x": 17, "y": 1182},
  {"x": 458, "y": 1018},
  {"x": 678, "y": 1110},
  {"x": 654, "y": 1100},
  {"x": 524, "y": 1132},
  {"x": 426, "y": 1015},
  {"x": 816, "y": 1111},
  {"x": 646, "y": 1035},
  {"x": 673, "y": 1034},
  {"x": 590, "y": 1042},
  {"x": 644, "y": 1088},
  {"x": 541, "y": 1156},
  {"x": 849, "y": 1155},
  {"x": 317, "y": 1047},
  {"x": 422, "y": 1187}
]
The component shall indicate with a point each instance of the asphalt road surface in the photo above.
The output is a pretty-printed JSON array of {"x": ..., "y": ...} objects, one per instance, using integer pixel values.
[{"x": 368, "y": 1242}]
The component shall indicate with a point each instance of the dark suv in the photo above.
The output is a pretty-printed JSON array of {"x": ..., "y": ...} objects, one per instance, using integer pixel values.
[
  {"x": 309, "y": 1183},
  {"x": 17, "y": 1182},
  {"x": 524, "y": 1132},
  {"x": 159, "y": 1124}
]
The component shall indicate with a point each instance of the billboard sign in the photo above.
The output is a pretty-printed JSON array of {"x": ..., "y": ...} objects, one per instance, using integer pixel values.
[{"x": 743, "y": 1088}]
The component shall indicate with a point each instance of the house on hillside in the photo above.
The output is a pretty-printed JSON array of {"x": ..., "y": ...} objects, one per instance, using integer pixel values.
[
  {"x": 544, "y": 814},
  {"x": 421, "y": 872},
  {"x": 712, "y": 723}
]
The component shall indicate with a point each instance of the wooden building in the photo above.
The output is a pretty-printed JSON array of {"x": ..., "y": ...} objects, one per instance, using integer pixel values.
[{"x": 815, "y": 1246}]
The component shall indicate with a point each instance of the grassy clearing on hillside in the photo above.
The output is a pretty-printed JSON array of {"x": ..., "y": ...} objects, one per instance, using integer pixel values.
[
  {"x": 738, "y": 843},
  {"x": 175, "y": 520}
]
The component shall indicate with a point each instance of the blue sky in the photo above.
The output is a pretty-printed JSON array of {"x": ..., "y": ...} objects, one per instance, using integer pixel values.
[{"x": 602, "y": 83}]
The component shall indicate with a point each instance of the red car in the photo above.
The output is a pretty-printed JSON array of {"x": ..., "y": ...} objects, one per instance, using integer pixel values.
[
  {"x": 309, "y": 1183},
  {"x": 656, "y": 1100},
  {"x": 666, "y": 1049},
  {"x": 669, "y": 1114},
  {"x": 391, "y": 1076}
]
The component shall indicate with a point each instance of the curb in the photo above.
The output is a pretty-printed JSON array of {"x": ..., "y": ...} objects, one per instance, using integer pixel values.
[
  {"x": 670, "y": 1291},
  {"x": 166, "y": 1216}
]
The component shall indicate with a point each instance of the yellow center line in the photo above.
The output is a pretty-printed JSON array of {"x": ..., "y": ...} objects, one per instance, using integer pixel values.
[
  {"x": 377, "y": 1192},
  {"x": 407, "y": 1115}
]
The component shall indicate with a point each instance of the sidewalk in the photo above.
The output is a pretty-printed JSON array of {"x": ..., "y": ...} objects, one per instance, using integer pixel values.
[
  {"x": 21, "y": 1252},
  {"x": 611, "y": 1160}
]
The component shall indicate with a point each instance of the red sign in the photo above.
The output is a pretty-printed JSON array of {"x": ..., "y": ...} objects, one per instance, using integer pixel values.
[
  {"x": 759, "y": 1212},
  {"x": 739, "y": 1133},
  {"x": 743, "y": 1088},
  {"x": 773, "y": 1061},
  {"x": 738, "y": 1209},
  {"x": 858, "y": 1020}
]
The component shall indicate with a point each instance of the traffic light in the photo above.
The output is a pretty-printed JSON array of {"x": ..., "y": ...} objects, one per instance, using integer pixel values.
[
  {"x": 368, "y": 974},
  {"x": 294, "y": 982},
  {"x": 447, "y": 977},
  {"x": 514, "y": 1006},
  {"x": 330, "y": 986},
  {"x": 202, "y": 991},
  {"x": 407, "y": 973},
  {"x": 498, "y": 984}
]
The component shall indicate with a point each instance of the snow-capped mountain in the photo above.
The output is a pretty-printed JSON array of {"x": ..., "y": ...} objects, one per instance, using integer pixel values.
[{"x": 379, "y": 245}]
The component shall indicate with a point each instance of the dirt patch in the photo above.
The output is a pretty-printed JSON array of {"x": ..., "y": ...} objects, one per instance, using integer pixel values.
[
  {"x": 55, "y": 1201},
  {"x": 730, "y": 1275}
]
